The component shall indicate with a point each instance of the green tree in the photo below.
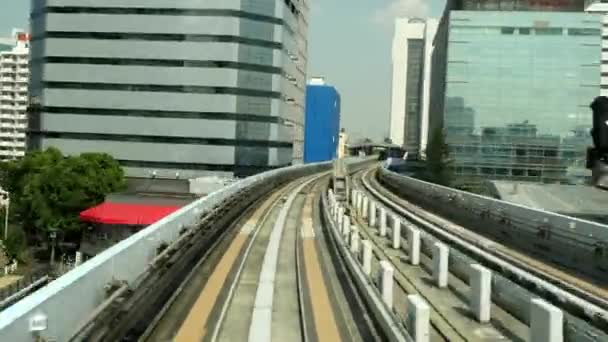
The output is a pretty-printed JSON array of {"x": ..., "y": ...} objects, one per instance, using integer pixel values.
[
  {"x": 438, "y": 164},
  {"x": 48, "y": 190}
]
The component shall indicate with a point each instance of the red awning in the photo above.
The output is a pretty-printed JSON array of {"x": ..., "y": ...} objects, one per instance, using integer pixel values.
[{"x": 126, "y": 213}]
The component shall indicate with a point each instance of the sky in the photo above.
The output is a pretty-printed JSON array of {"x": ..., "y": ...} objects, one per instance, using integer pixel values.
[
  {"x": 351, "y": 48},
  {"x": 349, "y": 45}
]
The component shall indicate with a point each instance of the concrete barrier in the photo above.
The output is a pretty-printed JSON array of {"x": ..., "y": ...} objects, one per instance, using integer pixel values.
[
  {"x": 396, "y": 233},
  {"x": 418, "y": 318},
  {"x": 546, "y": 322},
  {"x": 345, "y": 224},
  {"x": 386, "y": 282},
  {"x": 480, "y": 282},
  {"x": 354, "y": 242},
  {"x": 372, "y": 214},
  {"x": 382, "y": 222},
  {"x": 366, "y": 257},
  {"x": 440, "y": 264},
  {"x": 365, "y": 207},
  {"x": 413, "y": 241}
]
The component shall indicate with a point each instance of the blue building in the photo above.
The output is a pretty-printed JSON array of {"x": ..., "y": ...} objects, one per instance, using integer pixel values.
[
  {"x": 512, "y": 89},
  {"x": 322, "y": 126}
]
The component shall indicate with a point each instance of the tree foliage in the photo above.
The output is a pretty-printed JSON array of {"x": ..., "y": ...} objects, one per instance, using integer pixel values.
[
  {"x": 49, "y": 190},
  {"x": 438, "y": 164}
]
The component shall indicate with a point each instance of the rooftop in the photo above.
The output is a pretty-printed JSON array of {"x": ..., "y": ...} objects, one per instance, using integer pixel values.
[{"x": 581, "y": 201}]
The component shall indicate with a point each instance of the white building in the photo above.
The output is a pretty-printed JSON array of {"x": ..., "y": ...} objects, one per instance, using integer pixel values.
[
  {"x": 602, "y": 7},
  {"x": 14, "y": 79},
  {"x": 411, "y": 56}
]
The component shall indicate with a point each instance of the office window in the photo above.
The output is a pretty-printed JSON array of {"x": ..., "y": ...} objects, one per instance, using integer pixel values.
[{"x": 549, "y": 31}]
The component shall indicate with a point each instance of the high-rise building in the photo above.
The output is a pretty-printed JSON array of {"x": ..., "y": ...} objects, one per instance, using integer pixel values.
[
  {"x": 512, "y": 87},
  {"x": 601, "y": 7},
  {"x": 322, "y": 132},
  {"x": 171, "y": 89},
  {"x": 14, "y": 79},
  {"x": 411, "y": 57}
]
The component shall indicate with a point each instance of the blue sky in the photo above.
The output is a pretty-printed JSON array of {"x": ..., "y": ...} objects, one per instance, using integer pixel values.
[{"x": 349, "y": 44}]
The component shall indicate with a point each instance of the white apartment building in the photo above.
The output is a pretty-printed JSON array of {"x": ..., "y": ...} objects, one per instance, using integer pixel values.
[
  {"x": 411, "y": 57},
  {"x": 14, "y": 79}
]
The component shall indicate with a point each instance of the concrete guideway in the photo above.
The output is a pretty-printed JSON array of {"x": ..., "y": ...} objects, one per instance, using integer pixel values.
[
  {"x": 232, "y": 305},
  {"x": 194, "y": 328},
  {"x": 507, "y": 306}
]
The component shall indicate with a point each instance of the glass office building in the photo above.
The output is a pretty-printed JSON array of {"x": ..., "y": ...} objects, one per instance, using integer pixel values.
[{"x": 513, "y": 90}]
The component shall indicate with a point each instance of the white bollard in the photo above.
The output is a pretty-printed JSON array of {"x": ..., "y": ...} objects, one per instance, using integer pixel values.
[
  {"x": 78, "y": 259},
  {"x": 365, "y": 207},
  {"x": 346, "y": 234},
  {"x": 386, "y": 283},
  {"x": 396, "y": 233},
  {"x": 345, "y": 224},
  {"x": 353, "y": 197},
  {"x": 382, "y": 222},
  {"x": 413, "y": 241},
  {"x": 340, "y": 217},
  {"x": 372, "y": 213},
  {"x": 418, "y": 318},
  {"x": 359, "y": 203},
  {"x": 440, "y": 264},
  {"x": 366, "y": 257},
  {"x": 354, "y": 242},
  {"x": 480, "y": 281},
  {"x": 546, "y": 322}
]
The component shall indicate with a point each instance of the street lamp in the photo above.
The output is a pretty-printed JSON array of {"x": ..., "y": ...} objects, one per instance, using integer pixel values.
[{"x": 5, "y": 202}]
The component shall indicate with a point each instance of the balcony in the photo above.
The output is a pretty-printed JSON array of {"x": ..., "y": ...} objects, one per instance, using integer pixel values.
[
  {"x": 13, "y": 125},
  {"x": 7, "y": 70},
  {"x": 22, "y": 80},
  {"x": 6, "y": 80},
  {"x": 21, "y": 99},
  {"x": 7, "y": 98}
]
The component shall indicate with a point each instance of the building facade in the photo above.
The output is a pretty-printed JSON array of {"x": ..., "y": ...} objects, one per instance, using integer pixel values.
[
  {"x": 14, "y": 79},
  {"x": 410, "y": 98},
  {"x": 322, "y": 133},
  {"x": 601, "y": 7},
  {"x": 512, "y": 92},
  {"x": 174, "y": 89}
]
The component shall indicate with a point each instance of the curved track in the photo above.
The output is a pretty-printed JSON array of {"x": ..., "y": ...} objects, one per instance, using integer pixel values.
[
  {"x": 268, "y": 273},
  {"x": 589, "y": 300}
]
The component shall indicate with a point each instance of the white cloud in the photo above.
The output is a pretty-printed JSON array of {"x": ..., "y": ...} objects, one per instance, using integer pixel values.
[{"x": 402, "y": 8}]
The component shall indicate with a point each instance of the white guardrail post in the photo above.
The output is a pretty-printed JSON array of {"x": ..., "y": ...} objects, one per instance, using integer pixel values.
[
  {"x": 480, "y": 280},
  {"x": 413, "y": 241},
  {"x": 340, "y": 217},
  {"x": 418, "y": 318},
  {"x": 440, "y": 264},
  {"x": 372, "y": 214},
  {"x": 386, "y": 283},
  {"x": 365, "y": 207},
  {"x": 396, "y": 232},
  {"x": 382, "y": 222},
  {"x": 366, "y": 257},
  {"x": 354, "y": 241},
  {"x": 546, "y": 322}
]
